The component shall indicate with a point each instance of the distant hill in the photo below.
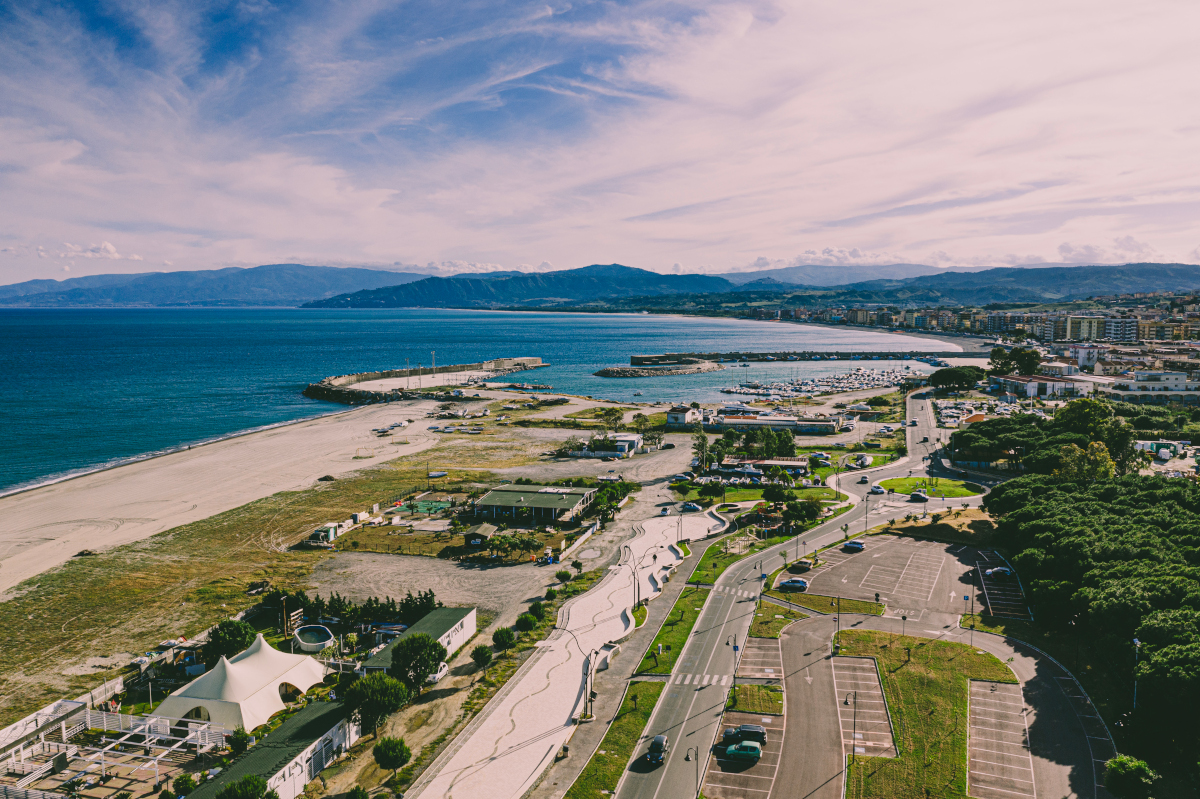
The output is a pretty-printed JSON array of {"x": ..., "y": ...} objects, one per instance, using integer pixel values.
[
  {"x": 823, "y": 275},
  {"x": 568, "y": 286},
  {"x": 274, "y": 285}
]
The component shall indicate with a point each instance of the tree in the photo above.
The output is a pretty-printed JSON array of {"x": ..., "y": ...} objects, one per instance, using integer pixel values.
[
  {"x": 239, "y": 741},
  {"x": 482, "y": 656},
  {"x": 551, "y": 594},
  {"x": 958, "y": 378},
  {"x": 612, "y": 419},
  {"x": 700, "y": 448},
  {"x": 227, "y": 639},
  {"x": 371, "y": 699},
  {"x": 1086, "y": 465},
  {"x": 563, "y": 576},
  {"x": 999, "y": 362},
  {"x": 1127, "y": 777},
  {"x": 414, "y": 659},
  {"x": 358, "y": 792},
  {"x": 641, "y": 423},
  {"x": 251, "y": 786},
  {"x": 504, "y": 639},
  {"x": 537, "y": 610},
  {"x": 1025, "y": 360},
  {"x": 796, "y": 513},
  {"x": 183, "y": 785},
  {"x": 391, "y": 753},
  {"x": 525, "y": 623},
  {"x": 571, "y": 444},
  {"x": 577, "y": 565}
]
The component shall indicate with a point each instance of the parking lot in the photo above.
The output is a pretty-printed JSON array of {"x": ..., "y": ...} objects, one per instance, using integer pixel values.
[
  {"x": 739, "y": 779},
  {"x": 1000, "y": 765},
  {"x": 862, "y": 710},
  {"x": 761, "y": 659},
  {"x": 910, "y": 575},
  {"x": 1001, "y": 594}
]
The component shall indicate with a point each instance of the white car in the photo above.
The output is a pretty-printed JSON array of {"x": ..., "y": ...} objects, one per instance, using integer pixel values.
[
  {"x": 878, "y": 489},
  {"x": 665, "y": 512},
  {"x": 442, "y": 670}
]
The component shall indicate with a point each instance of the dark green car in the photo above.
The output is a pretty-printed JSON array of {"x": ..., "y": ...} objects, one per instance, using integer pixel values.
[{"x": 746, "y": 750}]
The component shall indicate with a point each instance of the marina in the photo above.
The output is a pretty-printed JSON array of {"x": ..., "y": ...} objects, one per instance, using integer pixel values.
[{"x": 806, "y": 387}]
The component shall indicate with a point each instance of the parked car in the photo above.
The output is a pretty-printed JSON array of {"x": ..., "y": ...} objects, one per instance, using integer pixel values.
[
  {"x": 659, "y": 746},
  {"x": 442, "y": 670},
  {"x": 665, "y": 512},
  {"x": 691, "y": 506},
  {"x": 917, "y": 497},
  {"x": 794, "y": 584},
  {"x": 1001, "y": 572},
  {"x": 746, "y": 732},
  {"x": 924, "y": 439},
  {"x": 912, "y": 422},
  {"x": 668, "y": 445},
  {"x": 746, "y": 750},
  {"x": 853, "y": 546},
  {"x": 878, "y": 489}
]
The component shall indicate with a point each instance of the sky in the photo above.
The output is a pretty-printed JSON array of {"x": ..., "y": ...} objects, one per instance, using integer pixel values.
[{"x": 678, "y": 137}]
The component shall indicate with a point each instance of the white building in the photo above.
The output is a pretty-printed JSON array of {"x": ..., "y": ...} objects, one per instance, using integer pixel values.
[
  {"x": 683, "y": 416},
  {"x": 1154, "y": 387}
]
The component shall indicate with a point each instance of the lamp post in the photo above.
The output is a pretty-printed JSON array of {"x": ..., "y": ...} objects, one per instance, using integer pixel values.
[
  {"x": 735, "y": 655},
  {"x": 688, "y": 756},
  {"x": 637, "y": 588},
  {"x": 1137, "y": 650},
  {"x": 854, "y": 723}
]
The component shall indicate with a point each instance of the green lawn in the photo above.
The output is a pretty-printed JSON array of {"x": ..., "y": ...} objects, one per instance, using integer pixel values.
[
  {"x": 926, "y": 686},
  {"x": 756, "y": 699},
  {"x": 639, "y": 615},
  {"x": 675, "y": 631},
  {"x": 935, "y": 487},
  {"x": 601, "y": 774},
  {"x": 750, "y": 494},
  {"x": 828, "y": 604},
  {"x": 769, "y": 620}
]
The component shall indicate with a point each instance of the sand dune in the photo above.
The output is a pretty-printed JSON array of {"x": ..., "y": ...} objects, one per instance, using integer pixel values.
[{"x": 44, "y": 527}]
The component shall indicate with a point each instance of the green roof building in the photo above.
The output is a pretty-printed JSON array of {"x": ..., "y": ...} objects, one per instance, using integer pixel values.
[
  {"x": 544, "y": 502},
  {"x": 293, "y": 755},
  {"x": 450, "y": 627}
]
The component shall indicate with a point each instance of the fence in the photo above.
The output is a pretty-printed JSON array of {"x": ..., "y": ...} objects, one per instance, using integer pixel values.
[
  {"x": 202, "y": 732},
  {"x": 10, "y": 792}
]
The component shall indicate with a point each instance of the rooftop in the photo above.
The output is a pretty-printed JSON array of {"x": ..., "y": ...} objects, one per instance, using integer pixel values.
[
  {"x": 275, "y": 751},
  {"x": 534, "y": 496},
  {"x": 435, "y": 624}
]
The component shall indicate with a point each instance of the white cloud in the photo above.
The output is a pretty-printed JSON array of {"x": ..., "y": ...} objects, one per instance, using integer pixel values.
[{"x": 1122, "y": 250}]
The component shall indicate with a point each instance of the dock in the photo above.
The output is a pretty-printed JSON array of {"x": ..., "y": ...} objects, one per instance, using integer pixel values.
[{"x": 672, "y": 358}]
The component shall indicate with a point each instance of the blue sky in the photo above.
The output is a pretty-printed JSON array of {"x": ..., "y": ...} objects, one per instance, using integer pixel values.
[{"x": 672, "y": 136}]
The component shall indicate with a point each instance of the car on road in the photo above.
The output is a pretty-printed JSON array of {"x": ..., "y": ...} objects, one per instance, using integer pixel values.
[
  {"x": 437, "y": 676},
  {"x": 659, "y": 746},
  {"x": 853, "y": 546},
  {"x": 924, "y": 439},
  {"x": 746, "y": 750},
  {"x": 665, "y": 512},
  {"x": 668, "y": 445},
  {"x": 746, "y": 732},
  {"x": 1000, "y": 572},
  {"x": 863, "y": 479},
  {"x": 878, "y": 489},
  {"x": 794, "y": 584},
  {"x": 691, "y": 506},
  {"x": 918, "y": 496}
]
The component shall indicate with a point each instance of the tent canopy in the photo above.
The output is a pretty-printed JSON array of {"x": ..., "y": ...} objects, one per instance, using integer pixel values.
[{"x": 243, "y": 691}]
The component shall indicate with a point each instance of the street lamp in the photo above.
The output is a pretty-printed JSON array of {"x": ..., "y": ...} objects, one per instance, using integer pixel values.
[
  {"x": 688, "y": 756},
  {"x": 854, "y": 723}
]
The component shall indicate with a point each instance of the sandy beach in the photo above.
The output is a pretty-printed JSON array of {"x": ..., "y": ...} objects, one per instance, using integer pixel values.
[{"x": 44, "y": 527}]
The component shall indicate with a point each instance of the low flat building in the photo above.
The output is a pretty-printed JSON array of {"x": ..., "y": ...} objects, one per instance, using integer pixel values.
[
  {"x": 1154, "y": 387},
  {"x": 292, "y": 755},
  {"x": 450, "y": 627},
  {"x": 479, "y": 535},
  {"x": 683, "y": 416},
  {"x": 554, "y": 503},
  {"x": 819, "y": 425}
]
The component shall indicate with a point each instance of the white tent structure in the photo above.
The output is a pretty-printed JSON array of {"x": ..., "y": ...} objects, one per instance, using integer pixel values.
[{"x": 245, "y": 690}]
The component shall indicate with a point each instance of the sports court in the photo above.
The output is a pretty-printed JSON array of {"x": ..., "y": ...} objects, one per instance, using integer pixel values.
[
  {"x": 862, "y": 710},
  {"x": 1000, "y": 765}
]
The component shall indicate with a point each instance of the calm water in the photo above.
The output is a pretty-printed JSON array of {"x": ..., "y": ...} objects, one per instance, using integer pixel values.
[{"x": 84, "y": 389}]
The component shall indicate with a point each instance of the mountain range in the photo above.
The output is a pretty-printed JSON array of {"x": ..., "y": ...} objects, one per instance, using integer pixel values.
[{"x": 598, "y": 287}]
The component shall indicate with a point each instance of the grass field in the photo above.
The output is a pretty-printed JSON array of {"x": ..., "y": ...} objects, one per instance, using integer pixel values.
[
  {"x": 639, "y": 615},
  {"x": 740, "y": 494},
  {"x": 926, "y": 685},
  {"x": 675, "y": 631},
  {"x": 935, "y": 487},
  {"x": 828, "y": 604},
  {"x": 756, "y": 699},
  {"x": 769, "y": 620},
  {"x": 601, "y": 774}
]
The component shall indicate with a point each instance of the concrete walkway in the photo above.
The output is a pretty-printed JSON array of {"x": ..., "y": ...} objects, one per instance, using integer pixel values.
[{"x": 506, "y": 748}]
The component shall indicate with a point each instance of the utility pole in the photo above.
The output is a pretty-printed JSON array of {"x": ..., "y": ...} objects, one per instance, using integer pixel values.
[{"x": 1137, "y": 650}]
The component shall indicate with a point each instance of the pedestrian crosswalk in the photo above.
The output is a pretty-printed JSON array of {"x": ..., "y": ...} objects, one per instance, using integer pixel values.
[
  {"x": 700, "y": 679},
  {"x": 736, "y": 591}
]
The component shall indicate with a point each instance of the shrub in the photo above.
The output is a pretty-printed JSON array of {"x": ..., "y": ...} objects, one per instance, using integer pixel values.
[
  {"x": 577, "y": 565},
  {"x": 525, "y": 623},
  {"x": 504, "y": 639},
  {"x": 251, "y": 786},
  {"x": 359, "y": 792},
  {"x": 165, "y": 794},
  {"x": 392, "y": 754},
  {"x": 537, "y": 610},
  {"x": 551, "y": 595},
  {"x": 482, "y": 656},
  {"x": 227, "y": 639},
  {"x": 563, "y": 576},
  {"x": 239, "y": 741},
  {"x": 183, "y": 784},
  {"x": 1127, "y": 777}
]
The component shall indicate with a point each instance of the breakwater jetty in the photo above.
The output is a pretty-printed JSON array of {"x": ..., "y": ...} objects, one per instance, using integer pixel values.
[
  {"x": 392, "y": 385},
  {"x": 671, "y": 358},
  {"x": 683, "y": 368}
]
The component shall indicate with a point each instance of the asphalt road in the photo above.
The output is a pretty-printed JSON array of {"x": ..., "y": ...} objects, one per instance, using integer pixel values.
[{"x": 690, "y": 715}]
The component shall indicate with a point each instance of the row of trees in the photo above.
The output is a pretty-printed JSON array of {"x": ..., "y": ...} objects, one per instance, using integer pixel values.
[
  {"x": 957, "y": 378},
  {"x": 408, "y": 610}
]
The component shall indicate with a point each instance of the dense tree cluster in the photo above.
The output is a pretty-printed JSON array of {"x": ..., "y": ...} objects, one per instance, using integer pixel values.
[
  {"x": 1122, "y": 557},
  {"x": 1018, "y": 360},
  {"x": 958, "y": 378},
  {"x": 409, "y": 610},
  {"x": 1038, "y": 444}
]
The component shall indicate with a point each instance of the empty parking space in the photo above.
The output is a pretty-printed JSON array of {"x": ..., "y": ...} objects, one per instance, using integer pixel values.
[
  {"x": 914, "y": 580},
  {"x": 761, "y": 659},
  {"x": 1002, "y": 594},
  {"x": 999, "y": 764},
  {"x": 862, "y": 710},
  {"x": 741, "y": 779},
  {"x": 1099, "y": 743}
]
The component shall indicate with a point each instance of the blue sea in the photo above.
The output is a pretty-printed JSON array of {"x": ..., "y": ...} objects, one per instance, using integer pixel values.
[{"x": 85, "y": 389}]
